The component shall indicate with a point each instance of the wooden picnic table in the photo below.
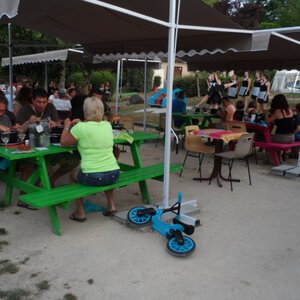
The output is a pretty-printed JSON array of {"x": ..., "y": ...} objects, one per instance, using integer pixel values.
[
  {"x": 188, "y": 117},
  {"x": 42, "y": 158},
  {"x": 44, "y": 196},
  {"x": 263, "y": 139}
]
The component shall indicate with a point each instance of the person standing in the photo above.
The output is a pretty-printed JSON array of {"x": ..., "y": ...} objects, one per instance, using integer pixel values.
[
  {"x": 245, "y": 88},
  {"x": 264, "y": 92}
]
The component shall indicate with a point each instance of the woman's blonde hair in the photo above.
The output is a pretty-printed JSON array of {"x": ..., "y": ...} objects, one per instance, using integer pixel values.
[{"x": 93, "y": 109}]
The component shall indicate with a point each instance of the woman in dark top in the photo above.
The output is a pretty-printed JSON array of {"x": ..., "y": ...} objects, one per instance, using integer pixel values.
[
  {"x": 256, "y": 86},
  {"x": 283, "y": 117},
  {"x": 264, "y": 93},
  {"x": 245, "y": 88}
]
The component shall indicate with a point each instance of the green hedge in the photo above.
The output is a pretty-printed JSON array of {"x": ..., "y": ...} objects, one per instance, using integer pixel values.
[{"x": 189, "y": 85}]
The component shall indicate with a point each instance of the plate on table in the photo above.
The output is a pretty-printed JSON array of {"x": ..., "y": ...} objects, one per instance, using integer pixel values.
[{"x": 10, "y": 145}]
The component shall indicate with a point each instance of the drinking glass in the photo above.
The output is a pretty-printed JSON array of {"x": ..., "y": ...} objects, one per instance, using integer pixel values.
[
  {"x": 5, "y": 136},
  {"x": 21, "y": 136}
]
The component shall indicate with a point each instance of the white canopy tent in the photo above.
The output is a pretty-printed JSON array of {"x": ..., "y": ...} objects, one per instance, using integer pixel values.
[{"x": 146, "y": 26}]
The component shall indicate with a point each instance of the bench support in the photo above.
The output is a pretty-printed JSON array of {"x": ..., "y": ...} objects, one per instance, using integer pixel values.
[{"x": 54, "y": 219}]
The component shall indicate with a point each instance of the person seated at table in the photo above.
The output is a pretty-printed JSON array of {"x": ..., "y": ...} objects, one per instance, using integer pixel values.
[
  {"x": 77, "y": 103},
  {"x": 251, "y": 108},
  {"x": 23, "y": 97},
  {"x": 179, "y": 106},
  {"x": 11, "y": 116},
  {"x": 282, "y": 116},
  {"x": 5, "y": 124},
  {"x": 94, "y": 138},
  {"x": 62, "y": 104},
  {"x": 32, "y": 113},
  {"x": 240, "y": 111},
  {"x": 297, "y": 119},
  {"x": 228, "y": 112}
]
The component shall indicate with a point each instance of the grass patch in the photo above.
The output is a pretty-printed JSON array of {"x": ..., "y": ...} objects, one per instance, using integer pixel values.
[
  {"x": 2, "y": 244},
  {"x": 25, "y": 260},
  {"x": 69, "y": 296},
  {"x": 90, "y": 281},
  {"x": 33, "y": 275},
  {"x": 3, "y": 231},
  {"x": 43, "y": 285},
  {"x": 15, "y": 294},
  {"x": 7, "y": 267}
]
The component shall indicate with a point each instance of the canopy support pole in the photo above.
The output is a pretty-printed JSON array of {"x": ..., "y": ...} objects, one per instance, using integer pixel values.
[
  {"x": 10, "y": 50},
  {"x": 121, "y": 77},
  {"x": 46, "y": 77},
  {"x": 118, "y": 88},
  {"x": 145, "y": 95},
  {"x": 171, "y": 63}
]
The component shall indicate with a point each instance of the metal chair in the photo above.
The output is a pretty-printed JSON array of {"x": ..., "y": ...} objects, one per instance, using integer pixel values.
[
  {"x": 195, "y": 147},
  {"x": 242, "y": 150}
]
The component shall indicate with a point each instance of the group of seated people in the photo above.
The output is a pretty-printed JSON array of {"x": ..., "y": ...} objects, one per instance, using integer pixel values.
[
  {"x": 286, "y": 121},
  {"x": 88, "y": 129}
]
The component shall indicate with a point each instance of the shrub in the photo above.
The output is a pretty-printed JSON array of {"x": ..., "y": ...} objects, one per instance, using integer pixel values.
[
  {"x": 78, "y": 79},
  {"x": 136, "y": 79},
  {"x": 156, "y": 81},
  {"x": 189, "y": 85},
  {"x": 99, "y": 77}
]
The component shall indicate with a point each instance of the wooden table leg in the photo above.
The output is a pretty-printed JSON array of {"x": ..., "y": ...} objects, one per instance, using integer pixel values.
[{"x": 9, "y": 187}]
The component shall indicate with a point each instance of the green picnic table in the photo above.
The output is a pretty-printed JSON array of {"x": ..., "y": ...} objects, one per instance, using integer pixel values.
[
  {"x": 46, "y": 196},
  {"x": 188, "y": 117}
]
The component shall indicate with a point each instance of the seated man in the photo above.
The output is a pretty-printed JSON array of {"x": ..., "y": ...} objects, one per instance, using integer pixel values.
[
  {"x": 179, "y": 106},
  {"x": 33, "y": 113}
]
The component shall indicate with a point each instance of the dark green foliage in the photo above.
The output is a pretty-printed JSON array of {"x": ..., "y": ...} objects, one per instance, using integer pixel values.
[
  {"x": 69, "y": 296},
  {"x": 90, "y": 281},
  {"x": 43, "y": 285},
  {"x": 189, "y": 85},
  {"x": 135, "y": 79},
  {"x": 156, "y": 81},
  {"x": 15, "y": 294},
  {"x": 99, "y": 77},
  {"x": 78, "y": 79},
  {"x": 3, "y": 231},
  {"x": 3, "y": 243},
  {"x": 7, "y": 267}
]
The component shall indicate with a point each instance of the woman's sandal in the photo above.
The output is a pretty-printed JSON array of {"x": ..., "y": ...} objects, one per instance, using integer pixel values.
[
  {"x": 74, "y": 218},
  {"x": 25, "y": 205},
  {"x": 109, "y": 213}
]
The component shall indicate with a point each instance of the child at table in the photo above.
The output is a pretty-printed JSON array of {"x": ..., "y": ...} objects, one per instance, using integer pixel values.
[{"x": 240, "y": 111}]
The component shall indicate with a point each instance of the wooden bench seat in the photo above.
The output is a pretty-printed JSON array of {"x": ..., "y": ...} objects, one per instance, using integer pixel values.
[
  {"x": 273, "y": 148},
  {"x": 62, "y": 195}
]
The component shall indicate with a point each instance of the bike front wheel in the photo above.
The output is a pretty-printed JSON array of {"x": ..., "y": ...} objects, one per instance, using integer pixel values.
[{"x": 185, "y": 249}]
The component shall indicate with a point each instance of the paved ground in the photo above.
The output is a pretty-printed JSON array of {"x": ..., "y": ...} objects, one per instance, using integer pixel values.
[{"x": 247, "y": 247}]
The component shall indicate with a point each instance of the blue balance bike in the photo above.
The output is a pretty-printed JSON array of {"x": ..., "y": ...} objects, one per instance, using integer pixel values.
[{"x": 178, "y": 244}]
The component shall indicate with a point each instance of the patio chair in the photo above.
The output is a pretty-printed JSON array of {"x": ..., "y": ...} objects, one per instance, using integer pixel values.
[
  {"x": 242, "y": 150},
  {"x": 236, "y": 126},
  {"x": 195, "y": 147}
]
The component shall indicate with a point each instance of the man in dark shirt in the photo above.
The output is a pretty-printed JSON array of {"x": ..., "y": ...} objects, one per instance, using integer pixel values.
[
  {"x": 38, "y": 110},
  {"x": 32, "y": 113}
]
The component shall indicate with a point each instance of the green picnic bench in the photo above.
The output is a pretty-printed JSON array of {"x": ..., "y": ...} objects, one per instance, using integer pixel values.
[{"x": 62, "y": 196}]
